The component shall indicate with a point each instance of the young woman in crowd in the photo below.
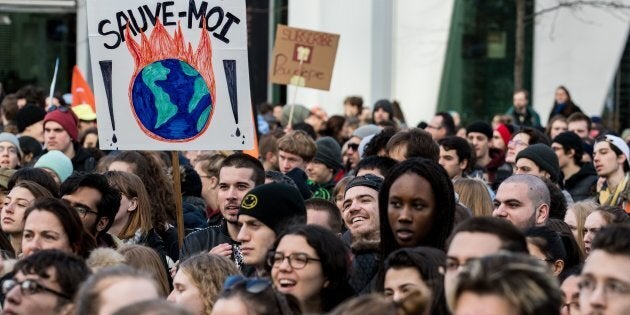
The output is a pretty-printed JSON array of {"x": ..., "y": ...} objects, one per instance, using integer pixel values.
[
  {"x": 416, "y": 206},
  {"x": 473, "y": 193},
  {"x": 419, "y": 270},
  {"x": 51, "y": 224},
  {"x": 199, "y": 280},
  {"x": 575, "y": 217},
  {"x": 601, "y": 217},
  {"x": 147, "y": 166},
  {"x": 146, "y": 259},
  {"x": 546, "y": 245},
  {"x": 311, "y": 263},
  {"x": 563, "y": 104},
  {"x": 21, "y": 196}
]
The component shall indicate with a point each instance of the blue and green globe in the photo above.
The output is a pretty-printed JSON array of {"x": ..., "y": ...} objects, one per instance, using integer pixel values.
[{"x": 171, "y": 100}]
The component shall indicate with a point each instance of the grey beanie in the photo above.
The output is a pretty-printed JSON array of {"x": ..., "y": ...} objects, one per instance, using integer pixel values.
[
  {"x": 544, "y": 157},
  {"x": 366, "y": 130},
  {"x": 11, "y": 138},
  {"x": 328, "y": 153}
]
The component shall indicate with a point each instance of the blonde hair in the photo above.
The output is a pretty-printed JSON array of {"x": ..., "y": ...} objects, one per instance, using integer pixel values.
[
  {"x": 473, "y": 193},
  {"x": 146, "y": 259},
  {"x": 207, "y": 272},
  {"x": 210, "y": 163},
  {"x": 132, "y": 186},
  {"x": 582, "y": 209}
]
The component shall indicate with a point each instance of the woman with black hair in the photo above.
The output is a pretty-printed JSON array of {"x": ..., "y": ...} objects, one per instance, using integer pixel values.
[
  {"x": 563, "y": 104},
  {"x": 417, "y": 271},
  {"x": 312, "y": 264},
  {"x": 416, "y": 206}
]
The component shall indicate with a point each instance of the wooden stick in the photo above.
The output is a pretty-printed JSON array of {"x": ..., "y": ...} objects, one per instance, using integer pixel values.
[{"x": 177, "y": 192}]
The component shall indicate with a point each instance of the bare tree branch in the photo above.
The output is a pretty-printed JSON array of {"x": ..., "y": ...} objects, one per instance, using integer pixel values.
[{"x": 576, "y": 4}]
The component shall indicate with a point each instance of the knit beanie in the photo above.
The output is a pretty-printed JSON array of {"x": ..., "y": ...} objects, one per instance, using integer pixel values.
[
  {"x": 12, "y": 139},
  {"x": 300, "y": 113},
  {"x": 58, "y": 162},
  {"x": 570, "y": 140},
  {"x": 366, "y": 130},
  {"x": 505, "y": 133},
  {"x": 67, "y": 119},
  {"x": 328, "y": 153},
  {"x": 480, "y": 127},
  {"x": 543, "y": 156},
  {"x": 28, "y": 115},
  {"x": 367, "y": 180},
  {"x": 386, "y": 106},
  {"x": 274, "y": 205}
]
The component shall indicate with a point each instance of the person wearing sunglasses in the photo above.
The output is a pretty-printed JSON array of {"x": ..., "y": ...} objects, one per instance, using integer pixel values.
[
  {"x": 311, "y": 263},
  {"x": 253, "y": 296},
  {"x": 43, "y": 283}
]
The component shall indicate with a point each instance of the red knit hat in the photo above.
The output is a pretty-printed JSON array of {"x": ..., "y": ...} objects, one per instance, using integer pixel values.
[
  {"x": 505, "y": 133},
  {"x": 67, "y": 119}
]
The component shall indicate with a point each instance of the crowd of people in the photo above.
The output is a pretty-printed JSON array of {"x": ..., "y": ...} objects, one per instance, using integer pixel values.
[{"x": 350, "y": 214}]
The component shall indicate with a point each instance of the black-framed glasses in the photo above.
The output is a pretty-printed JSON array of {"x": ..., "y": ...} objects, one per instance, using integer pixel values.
[
  {"x": 252, "y": 285},
  {"x": 29, "y": 287},
  {"x": 296, "y": 260},
  {"x": 83, "y": 211}
]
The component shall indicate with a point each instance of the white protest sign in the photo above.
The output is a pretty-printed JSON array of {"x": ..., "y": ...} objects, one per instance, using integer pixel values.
[{"x": 171, "y": 75}]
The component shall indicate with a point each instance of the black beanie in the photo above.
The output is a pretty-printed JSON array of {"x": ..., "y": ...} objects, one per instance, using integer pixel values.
[
  {"x": 328, "y": 153},
  {"x": 570, "y": 140},
  {"x": 386, "y": 106},
  {"x": 367, "y": 180},
  {"x": 29, "y": 115},
  {"x": 274, "y": 205},
  {"x": 480, "y": 127},
  {"x": 544, "y": 157}
]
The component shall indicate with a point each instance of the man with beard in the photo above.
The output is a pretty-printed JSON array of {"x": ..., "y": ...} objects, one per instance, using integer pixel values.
[
  {"x": 239, "y": 173},
  {"x": 523, "y": 200},
  {"x": 360, "y": 215},
  {"x": 95, "y": 201}
]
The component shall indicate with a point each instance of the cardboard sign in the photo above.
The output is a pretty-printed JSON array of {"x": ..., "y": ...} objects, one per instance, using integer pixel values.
[
  {"x": 303, "y": 57},
  {"x": 171, "y": 75}
]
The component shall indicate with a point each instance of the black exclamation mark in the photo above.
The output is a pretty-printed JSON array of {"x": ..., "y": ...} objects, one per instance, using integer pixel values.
[
  {"x": 106, "y": 71},
  {"x": 229, "y": 66}
]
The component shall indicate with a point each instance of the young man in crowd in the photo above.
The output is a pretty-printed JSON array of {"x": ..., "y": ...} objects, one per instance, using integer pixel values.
[
  {"x": 383, "y": 112},
  {"x": 360, "y": 215},
  {"x": 61, "y": 132},
  {"x": 413, "y": 142},
  {"x": 375, "y": 165},
  {"x": 456, "y": 156},
  {"x": 580, "y": 124},
  {"x": 295, "y": 150},
  {"x": 580, "y": 178},
  {"x": 611, "y": 160},
  {"x": 324, "y": 213},
  {"x": 520, "y": 112},
  {"x": 30, "y": 122},
  {"x": 440, "y": 126},
  {"x": 321, "y": 170},
  {"x": 239, "y": 174},
  {"x": 264, "y": 213},
  {"x": 96, "y": 202},
  {"x": 487, "y": 160},
  {"x": 539, "y": 160},
  {"x": 523, "y": 200},
  {"x": 605, "y": 279}
]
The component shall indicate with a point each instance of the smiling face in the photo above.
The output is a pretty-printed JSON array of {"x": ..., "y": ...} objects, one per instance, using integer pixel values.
[
  {"x": 15, "y": 203},
  {"x": 360, "y": 210},
  {"x": 305, "y": 283},
  {"x": 410, "y": 208}
]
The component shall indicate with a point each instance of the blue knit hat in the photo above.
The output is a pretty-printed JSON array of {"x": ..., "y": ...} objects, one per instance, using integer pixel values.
[{"x": 57, "y": 162}]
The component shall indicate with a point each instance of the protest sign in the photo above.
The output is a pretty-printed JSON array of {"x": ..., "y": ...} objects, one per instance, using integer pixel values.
[
  {"x": 303, "y": 57},
  {"x": 171, "y": 75}
]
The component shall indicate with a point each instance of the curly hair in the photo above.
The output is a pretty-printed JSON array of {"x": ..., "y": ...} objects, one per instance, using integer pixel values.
[{"x": 207, "y": 272}]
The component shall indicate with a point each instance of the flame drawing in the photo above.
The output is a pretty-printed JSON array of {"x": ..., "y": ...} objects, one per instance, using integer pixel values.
[{"x": 172, "y": 89}]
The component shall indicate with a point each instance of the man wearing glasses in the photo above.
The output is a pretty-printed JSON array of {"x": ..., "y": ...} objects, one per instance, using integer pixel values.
[
  {"x": 43, "y": 283},
  {"x": 95, "y": 201},
  {"x": 440, "y": 126},
  {"x": 605, "y": 282}
]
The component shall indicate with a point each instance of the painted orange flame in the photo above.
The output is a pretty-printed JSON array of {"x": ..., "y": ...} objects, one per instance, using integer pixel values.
[{"x": 160, "y": 45}]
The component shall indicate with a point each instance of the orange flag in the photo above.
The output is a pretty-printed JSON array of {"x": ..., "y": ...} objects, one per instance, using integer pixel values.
[
  {"x": 81, "y": 91},
  {"x": 254, "y": 151}
]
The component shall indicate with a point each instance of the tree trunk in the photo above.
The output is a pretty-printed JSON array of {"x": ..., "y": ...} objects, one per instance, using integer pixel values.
[{"x": 520, "y": 45}]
